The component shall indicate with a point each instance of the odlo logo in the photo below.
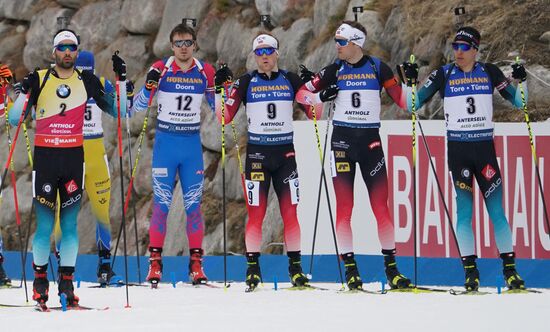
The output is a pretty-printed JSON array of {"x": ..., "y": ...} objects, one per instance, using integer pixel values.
[
  {"x": 493, "y": 187},
  {"x": 71, "y": 201}
]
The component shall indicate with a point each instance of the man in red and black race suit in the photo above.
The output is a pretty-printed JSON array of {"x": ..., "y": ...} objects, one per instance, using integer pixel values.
[
  {"x": 59, "y": 95},
  {"x": 354, "y": 83},
  {"x": 268, "y": 94}
]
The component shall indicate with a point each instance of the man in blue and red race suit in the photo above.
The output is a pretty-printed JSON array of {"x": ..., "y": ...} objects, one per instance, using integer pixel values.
[
  {"x": 355, "y": 82},
  {"x": 178, "y": 147}
]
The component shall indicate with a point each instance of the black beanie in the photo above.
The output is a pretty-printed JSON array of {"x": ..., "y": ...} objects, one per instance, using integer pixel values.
[{"x": 469, "y": 35}]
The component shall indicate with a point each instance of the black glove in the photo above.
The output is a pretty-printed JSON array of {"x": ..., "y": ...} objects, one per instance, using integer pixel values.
[
  {"x": 152, "y": 79},
  {"x": 305, "y": 74},
  {"x": 130, "y": 89},
  {"x": 330, "y": 93},
  {"x": 411, "y": 73},
  {"x": 29, "y": 81},
  {"x": 518, "y": 72},
  {"x": 224, "y": 74},
  {"x": 119, "y": 67}
]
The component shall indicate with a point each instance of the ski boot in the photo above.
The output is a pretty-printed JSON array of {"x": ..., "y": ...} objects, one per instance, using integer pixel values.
[
  {"x": 297, "y": 276},
  {"x": 40, "y": 285},
  {"x": 471, "y": 273},
  {"x": 253, "y": 274},
  {"x": 65, "y": 286},
  {"x": 353, "y": 279},
  {"x": 155, "y": 267},
  {"x": 104, "y": 271},
  {"x": 395, "y": 279},
  {"x": 196, "y": 273},
  {"x": 4, "y": 280},
  {"x": 511, "y": 276}
]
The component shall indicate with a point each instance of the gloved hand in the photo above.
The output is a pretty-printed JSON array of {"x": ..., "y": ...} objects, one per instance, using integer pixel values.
[
  {"x": 224, "y": 74},
  {"x": 330, "y": 93},
  {"x": 29, "y": 81},
  {"x": 152, "y": 79},
  {"x": 130, "y": 89},
  {"x": 119, "y": 67},
  {"x": 518, "y": 72},
  {"x": 411, "y": 73},
  {"x": 17, "y": 88},
  {"x": 305, "y": 74},
  {"x": 5, "y": 73}
]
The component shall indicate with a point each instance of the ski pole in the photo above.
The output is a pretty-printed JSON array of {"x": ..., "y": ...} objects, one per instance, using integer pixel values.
[
  {"x": 241, "y": 170},
  {"x": 533, "y": 150},
  {"x": 120, "y": 154},
  {"x": 413, "y": 117},
  {"x": 223, "y": 190},
  {"x": 16, "y": 202},
  {"x": 12, "y": 148},
  {"x": 129, "y": 139},
  {"x": 140, "y": 142},
  {"x": 322, "y": 180},
  {"x": 441, "y": 196}
]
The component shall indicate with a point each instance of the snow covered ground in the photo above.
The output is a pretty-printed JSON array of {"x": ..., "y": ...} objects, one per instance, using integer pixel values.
[{"x": 187, "y": 308}]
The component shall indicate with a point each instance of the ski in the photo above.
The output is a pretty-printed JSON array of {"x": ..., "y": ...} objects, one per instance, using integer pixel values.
[
  {"x": 361, "y": 290},
  {"x": 211, "y": 285},
  {"x": 304, "y": 287},
  {"x": 465, "y": 292},
  {"x": 7, "y": 305},
  {"x": 522, "y": 291},
  {"x": 118, "y": 285},
  {"x": 78, "y": 308},
  {"x": 418, "y": 289}
]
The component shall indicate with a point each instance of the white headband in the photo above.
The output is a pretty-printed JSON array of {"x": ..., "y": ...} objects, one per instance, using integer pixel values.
[
  {"x": 264, "y": 41},
  {"x": 352, "y": 34},
  {"x": 64, "y": 35}
]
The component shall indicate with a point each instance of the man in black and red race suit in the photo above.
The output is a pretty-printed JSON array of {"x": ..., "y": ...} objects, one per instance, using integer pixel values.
[
  {"x": 268, "y": 94},
  {"x": 355, "y": 83},
  {"x": 59, "y": 95}
]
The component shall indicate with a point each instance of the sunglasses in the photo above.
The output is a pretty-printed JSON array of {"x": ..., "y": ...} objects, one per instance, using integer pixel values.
[
  {"x": 64, "y": 47},
  {"x": 341, "y": 42},
  {"x": 461, "y": 46},
  {"x": 185, "y": 42},
  {"x": 266, "y": 51}
]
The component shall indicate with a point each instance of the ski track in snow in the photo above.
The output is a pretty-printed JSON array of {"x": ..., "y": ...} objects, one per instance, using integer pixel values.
[{"x": 187, "y": 308}]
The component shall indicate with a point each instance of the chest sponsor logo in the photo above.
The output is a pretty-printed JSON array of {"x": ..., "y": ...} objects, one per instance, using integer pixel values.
[
  {"x": 256, "y": 165},
  {"x": 63, "y": 91},
  {"x": 71, "y": 187},
  {"x": 342, "y": 167},
  {"x": 257, "y": 176},
  {"x": 488, "y": 172}
]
